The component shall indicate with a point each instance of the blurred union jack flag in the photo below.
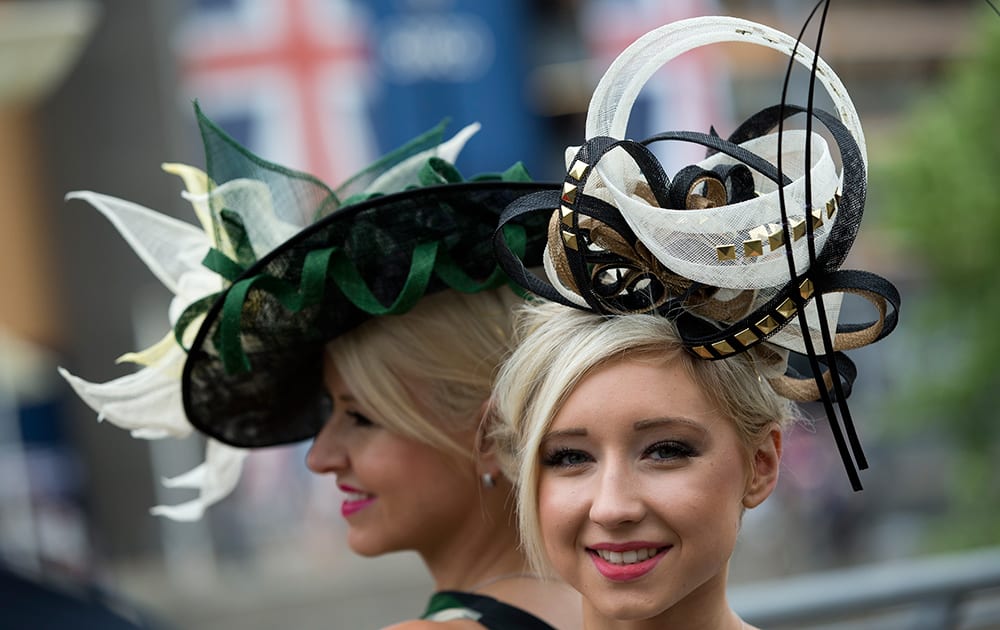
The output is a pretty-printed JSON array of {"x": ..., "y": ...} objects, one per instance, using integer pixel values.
[{"x": 286, "y": 78}]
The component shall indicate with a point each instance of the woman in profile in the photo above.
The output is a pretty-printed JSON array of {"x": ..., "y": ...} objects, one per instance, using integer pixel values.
[{"x": 371, "y": 320}]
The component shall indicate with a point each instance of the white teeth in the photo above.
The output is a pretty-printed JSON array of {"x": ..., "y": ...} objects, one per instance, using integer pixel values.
[
  {"x": 627, "y": 557},
  {"x": 357, "y": 496}
]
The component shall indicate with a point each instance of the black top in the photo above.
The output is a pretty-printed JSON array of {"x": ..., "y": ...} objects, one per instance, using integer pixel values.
[{"x": 486, "y": 611}]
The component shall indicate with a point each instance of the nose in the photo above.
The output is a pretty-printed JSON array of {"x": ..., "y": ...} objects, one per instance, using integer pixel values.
[
  {"x": 327, "y": 454},
  {"x": 617, "y": 499}
]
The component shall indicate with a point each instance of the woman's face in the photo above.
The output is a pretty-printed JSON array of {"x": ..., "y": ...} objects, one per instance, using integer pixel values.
[
  {"x": 641, "y": 489},
  {"x": 400, "y": 494}
]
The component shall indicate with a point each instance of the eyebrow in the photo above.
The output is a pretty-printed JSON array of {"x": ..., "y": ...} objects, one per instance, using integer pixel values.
[
  {"x": 564, "y": 433},
  {"x": 639, "y": 425},
  {"x": 659, "y": 422}
]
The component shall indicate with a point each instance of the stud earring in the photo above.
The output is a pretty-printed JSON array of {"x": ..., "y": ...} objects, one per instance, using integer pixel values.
[{"x": 488, "y": 481}]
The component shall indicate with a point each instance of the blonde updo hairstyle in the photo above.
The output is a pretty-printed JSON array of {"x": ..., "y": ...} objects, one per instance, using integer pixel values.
[
  {"x": 558, "y": 346},
  {"x": 427, "y": 373}
]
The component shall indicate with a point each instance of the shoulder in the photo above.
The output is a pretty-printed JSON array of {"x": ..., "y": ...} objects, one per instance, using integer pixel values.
[{"x": 421, "y": 624}]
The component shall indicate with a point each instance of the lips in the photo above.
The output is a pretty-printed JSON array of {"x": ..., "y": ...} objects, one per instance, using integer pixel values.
[
  {"x": 623, "y": 562},
  {"x": 355, "y": 501}
]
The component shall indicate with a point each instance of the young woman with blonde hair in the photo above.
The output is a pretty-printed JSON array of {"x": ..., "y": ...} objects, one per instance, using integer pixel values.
[{"x": 642, "y": 411}]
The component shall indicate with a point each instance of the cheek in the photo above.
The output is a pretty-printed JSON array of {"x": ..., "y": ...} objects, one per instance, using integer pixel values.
[
  {"x": 561, "y": 514},
  {"x": 710, "y": 501}
]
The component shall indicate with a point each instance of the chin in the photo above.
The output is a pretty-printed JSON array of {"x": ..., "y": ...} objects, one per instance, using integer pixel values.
[
  {"x": 366, "y": 553},
  {"x": 366, "y": 547},
  {"x": 623, "y": 608}
]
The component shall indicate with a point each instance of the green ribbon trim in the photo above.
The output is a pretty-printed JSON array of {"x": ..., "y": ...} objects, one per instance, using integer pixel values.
[
  {"x": 236, "y": 231},
  {"x": 516, "y": 173},
  {"x": 223, "y": 265},
  {"x": 312, "y": 286},
  {"x": 453, "y": 275},
  {"x": 191, "y": 313},
  {"x": 234, "y": 360},
  {"x": 436, "y": 172},
  {"x": 356, "y": 290},
  {"x": 317, "y": 267}
]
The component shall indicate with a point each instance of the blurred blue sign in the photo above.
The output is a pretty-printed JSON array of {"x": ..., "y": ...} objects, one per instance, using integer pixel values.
[{"x": 467, "y": 60}]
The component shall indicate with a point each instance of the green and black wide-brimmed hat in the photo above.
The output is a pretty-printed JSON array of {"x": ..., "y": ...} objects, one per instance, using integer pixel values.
[
  {"x": 280, "y": 265},
  {"x": 252, "y": 376}
]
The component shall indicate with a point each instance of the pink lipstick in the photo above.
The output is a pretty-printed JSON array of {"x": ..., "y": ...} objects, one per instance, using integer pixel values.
[
  {"x": 355, "y": 501},
  {"x": 624, "y": 562}
]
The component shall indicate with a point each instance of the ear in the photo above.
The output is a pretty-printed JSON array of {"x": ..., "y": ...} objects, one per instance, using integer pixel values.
[
  {"x": 764, "y": 469},
  {"x": 485, "y": 450}
]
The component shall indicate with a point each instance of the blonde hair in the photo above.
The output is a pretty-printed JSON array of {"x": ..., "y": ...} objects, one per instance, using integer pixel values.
[
  {"x": 558, "y": 346},
  {"x": 427, "y": 373}
]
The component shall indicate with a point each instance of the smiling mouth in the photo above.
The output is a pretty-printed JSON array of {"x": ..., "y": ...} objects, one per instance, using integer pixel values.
[
  {"x": 355, "y": 502},
  {"x": 628, "y": 565},
  {"x": 628, "y": 557}
]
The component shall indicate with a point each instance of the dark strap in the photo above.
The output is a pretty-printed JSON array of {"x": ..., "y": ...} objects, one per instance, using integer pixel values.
[{"x": 494, "y": 614}]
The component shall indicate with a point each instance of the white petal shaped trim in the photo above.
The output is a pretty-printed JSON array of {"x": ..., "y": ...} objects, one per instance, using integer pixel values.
[
  {"x": 147, "y": 400},
  {"x": 215, "y": 479},
  {"x": 168, "y": 247},
  {"x": 405, "y": 173},
  {"x": 196, "y": 182},
  {"x": 152, "y": 354},
  {"x": 191, "y": 287}
]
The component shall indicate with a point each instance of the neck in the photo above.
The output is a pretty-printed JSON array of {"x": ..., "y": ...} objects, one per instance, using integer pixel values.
[{"x": 481, "y": 548}]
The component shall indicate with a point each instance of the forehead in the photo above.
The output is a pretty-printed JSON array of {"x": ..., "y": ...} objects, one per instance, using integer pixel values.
[
  {"x": 635, "y": 389},
  {"x": 331, "y": 374}
]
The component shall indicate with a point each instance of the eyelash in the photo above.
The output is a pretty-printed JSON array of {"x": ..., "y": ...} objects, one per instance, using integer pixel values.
[
  {"x": 359, "y": 419},
  {"x": 555, "y": 459},
  {"x": 676, "y": 450},
  {"x": 326, "y": 411}
]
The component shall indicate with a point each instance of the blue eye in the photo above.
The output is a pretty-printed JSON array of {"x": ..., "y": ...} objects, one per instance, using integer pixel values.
[
  {"x": 565, "y": 458},
  {"x": 669, "y": 450}
]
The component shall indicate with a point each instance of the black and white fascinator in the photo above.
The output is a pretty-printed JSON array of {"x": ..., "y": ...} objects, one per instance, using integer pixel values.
[{"x": 743, "y": 250}]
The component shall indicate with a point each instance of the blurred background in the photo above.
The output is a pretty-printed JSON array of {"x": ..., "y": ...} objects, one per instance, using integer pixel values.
[{"x": 95, "y": 95}]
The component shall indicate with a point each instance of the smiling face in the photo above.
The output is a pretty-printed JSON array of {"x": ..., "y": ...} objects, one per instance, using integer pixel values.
[
  {"x": 400, "y": 494},
  {"x": 641, "y": 487}
]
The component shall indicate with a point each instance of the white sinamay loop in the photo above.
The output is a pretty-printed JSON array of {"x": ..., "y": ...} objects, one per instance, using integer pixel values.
[{"x": 611, "y": 104}]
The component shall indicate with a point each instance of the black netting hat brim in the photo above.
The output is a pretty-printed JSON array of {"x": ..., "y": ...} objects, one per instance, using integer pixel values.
[{"x": 253, "y": 373}]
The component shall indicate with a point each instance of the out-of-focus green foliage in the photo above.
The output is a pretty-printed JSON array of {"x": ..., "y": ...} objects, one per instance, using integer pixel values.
[{"x": 940, "y": 193}]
